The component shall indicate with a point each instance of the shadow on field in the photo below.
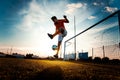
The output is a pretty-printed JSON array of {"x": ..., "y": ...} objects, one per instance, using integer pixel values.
[{"x": 51, "y": 73}]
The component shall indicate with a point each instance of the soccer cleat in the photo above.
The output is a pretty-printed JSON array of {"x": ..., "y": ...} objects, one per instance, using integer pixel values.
[
  {"x": 56, "y": 56},
  {"x": 50, "y": 35}
]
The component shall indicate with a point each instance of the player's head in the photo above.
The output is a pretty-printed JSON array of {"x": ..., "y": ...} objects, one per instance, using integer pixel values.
[{"x": 54, "y": 18}]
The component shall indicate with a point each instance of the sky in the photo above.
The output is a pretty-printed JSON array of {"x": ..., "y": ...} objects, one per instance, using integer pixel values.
[{"x": 24, "y": 24}]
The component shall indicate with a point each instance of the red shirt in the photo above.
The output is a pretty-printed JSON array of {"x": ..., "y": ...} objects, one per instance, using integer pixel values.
[{"x": 60, "y": 24}]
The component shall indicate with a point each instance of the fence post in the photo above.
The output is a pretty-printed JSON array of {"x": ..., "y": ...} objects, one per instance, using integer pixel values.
[
  {"x": 92, "y": 53},
  {"x": 103, "y": 51}
]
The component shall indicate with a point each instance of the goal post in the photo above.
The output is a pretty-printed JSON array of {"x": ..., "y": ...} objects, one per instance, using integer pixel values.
[{"x": 117, "y": 12}]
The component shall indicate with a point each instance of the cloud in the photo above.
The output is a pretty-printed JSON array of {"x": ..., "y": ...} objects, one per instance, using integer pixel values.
[
  {"x": 96, "y": 4},
  {"x": 72, "y": 7},
  {"x": 111, "y": 9},
  {"x": 33, "y": 24},
  {"x": 33, "y": 16},
  {"x": 103, "y": 28},
  {"x": 100, "y": 4},
  {"x": 91, "y": 17}
]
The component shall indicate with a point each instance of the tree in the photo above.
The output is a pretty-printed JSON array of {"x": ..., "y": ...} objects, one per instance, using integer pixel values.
[{"x": 29, "y": 56}]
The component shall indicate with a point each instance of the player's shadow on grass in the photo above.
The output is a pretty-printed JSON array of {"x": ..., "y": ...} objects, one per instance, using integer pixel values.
[{"x": 51, "y": 73}]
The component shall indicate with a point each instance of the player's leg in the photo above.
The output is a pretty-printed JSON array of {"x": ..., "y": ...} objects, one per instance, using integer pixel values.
[
  {"x": 58, "y": 48},
  {"x": 60, "y": 38},
  {"x": 56, "y": 33}
]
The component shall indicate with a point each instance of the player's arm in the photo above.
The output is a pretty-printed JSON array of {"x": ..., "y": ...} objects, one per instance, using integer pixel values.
[{"x": 66, "y": 20}]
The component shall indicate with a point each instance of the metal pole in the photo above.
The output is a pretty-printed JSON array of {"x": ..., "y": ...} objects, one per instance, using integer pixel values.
[
  {"x": 64, "y": 49},
  {"x": 75, "y": 39},
  {"x": 103, "y": 51},
  {"x": 61, "y": 51},
  {"x": 92, "y": 53}
]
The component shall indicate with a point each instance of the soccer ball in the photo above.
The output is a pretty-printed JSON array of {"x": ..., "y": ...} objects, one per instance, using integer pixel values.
[{"x": 54, "y": 47}]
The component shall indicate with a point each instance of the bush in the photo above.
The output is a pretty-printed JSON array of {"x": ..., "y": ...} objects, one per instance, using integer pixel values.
[
  {"x": 29, "y": 56},
  {"x": 115, "y": 61},
  {"x": 97, "y": 60},
  {"x": 90, "y": 59},
  {"x": 105, "y": 60}
]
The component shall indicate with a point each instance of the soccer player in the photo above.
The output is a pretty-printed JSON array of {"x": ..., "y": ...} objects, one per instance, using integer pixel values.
[{"x": 60, "y": 31}]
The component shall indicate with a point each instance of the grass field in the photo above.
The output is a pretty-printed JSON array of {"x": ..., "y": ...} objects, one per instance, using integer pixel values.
[{"x": 31, "y": 69}]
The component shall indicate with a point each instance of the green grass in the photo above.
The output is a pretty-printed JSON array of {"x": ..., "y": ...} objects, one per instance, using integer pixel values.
[{"x": 31, "y": 69}]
